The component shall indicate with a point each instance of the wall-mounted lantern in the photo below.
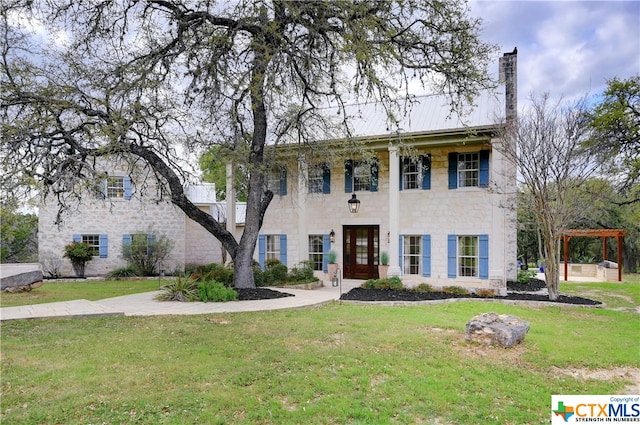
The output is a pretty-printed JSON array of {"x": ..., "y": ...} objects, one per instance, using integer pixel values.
[
  {"x": 354, "y": 204},
  {"x": 332, "y": 236}
]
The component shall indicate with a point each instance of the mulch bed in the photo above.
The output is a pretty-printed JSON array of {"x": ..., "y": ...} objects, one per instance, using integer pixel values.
[
  {"x": 515, "y": 291},
  {"x": 254, "y": 294}
]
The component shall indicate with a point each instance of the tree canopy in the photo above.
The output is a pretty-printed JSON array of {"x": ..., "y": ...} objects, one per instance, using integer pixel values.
[
  {"x": 149, "y": 81},
  {"x": 616, "y": 124}
]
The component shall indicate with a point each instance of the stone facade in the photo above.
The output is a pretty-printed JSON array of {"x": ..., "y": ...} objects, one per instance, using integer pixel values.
[
  {"x": 437, "y": 212},
  {"x": 112, "y": 218}
]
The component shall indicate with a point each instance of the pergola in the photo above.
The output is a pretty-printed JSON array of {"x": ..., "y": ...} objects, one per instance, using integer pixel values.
[{"x": 594, "y": 233}]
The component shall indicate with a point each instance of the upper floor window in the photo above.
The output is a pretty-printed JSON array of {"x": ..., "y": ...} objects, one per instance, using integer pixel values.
[
  {"x": 360, "y": 176},
  {"x": 277, "y": 181},
  {"x": 469, "y": 169},
  {"x": 319, "y": 178},
  {"x": 115, "y": 187},
  {"x": 415, "y": 173}
]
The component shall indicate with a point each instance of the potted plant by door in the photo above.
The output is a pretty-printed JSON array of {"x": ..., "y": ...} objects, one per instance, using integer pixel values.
[
  {"x": 383, "y": 267},
  {"x": 332, "y": 267}
]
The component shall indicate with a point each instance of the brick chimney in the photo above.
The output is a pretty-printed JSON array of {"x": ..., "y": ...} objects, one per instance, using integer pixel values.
[{"x": 509, "y": 76}]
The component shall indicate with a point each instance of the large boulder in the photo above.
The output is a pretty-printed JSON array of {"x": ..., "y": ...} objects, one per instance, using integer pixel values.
[
  {"x": 496, "y": 329},
  {"x": 20, "y": 277}
]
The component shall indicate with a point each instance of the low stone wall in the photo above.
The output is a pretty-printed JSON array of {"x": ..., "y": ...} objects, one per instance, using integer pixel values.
[{"x": 606, "y": 271}]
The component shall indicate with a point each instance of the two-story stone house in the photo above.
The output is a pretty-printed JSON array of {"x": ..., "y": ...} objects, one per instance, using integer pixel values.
[{"x": 436, "y": 198}]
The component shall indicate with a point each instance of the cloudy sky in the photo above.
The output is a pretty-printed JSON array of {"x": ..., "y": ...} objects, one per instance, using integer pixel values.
[{"x": 566, "y": 48}]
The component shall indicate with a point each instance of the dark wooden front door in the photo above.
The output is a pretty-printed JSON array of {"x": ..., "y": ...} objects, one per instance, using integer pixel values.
[{"x": 361, "y": 248}]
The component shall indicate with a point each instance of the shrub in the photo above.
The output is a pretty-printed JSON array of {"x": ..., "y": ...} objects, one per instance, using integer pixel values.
[
  {"x": 485, "y": 293},
  {"x": 524, "y": 276},
  {"x": 276, "y": 274},
  {"x": 423, "y": 287},
  {"x": 121, "y": 273},
  {"x": 455, "y": 290},
  {"x": 146, "y": 252},
  {"x": 303, "y": 272},
  {"x": 180, "y": 289},
  {"x": 79, "y": 254},
  {"x": 211, "y": 290},
  {"x": 214, "y": 271},
  {"x": 51, "y": 265},
  {"x": 386, "y": 283}
]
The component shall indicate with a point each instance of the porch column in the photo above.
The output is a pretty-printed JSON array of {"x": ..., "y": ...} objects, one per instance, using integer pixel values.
[
  {"x": 230, "y": 200},
  {"x": 394, "y": 211},
  {"x": 303, "y": 240}
]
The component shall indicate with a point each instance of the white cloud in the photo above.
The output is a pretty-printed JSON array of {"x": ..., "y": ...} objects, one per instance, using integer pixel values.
[{"x": 565, "y": 47}]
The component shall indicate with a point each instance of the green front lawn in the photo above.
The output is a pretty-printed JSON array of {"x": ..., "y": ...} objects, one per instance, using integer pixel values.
[
  {"x": 92, "y": 290},
  {"x": 340, "y": 363}
]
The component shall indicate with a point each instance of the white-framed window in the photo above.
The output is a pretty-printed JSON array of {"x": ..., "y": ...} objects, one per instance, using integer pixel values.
[
  {"x": 272, "y": 247},
  {"x": 468, "y": 256},
  {"x": 361, "y": 177},
  {"x": 411, "y": 173},
  {"x": 316, "y": 251},
  {"x": 94, "y": 242},
  {"x": 115, "y": 187},
  {"x": 277, "y": 181},
  {"x": 412, "y": 254},
  {"x": 140, "y": 243},
  {"x": 468, "y": 169},
  {"x": 316, "y": 178},
  {"x": 99, "y": 243}
]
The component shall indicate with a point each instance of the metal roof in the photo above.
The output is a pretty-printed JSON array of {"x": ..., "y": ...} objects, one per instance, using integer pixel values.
[{"x": 425, "y": 114}]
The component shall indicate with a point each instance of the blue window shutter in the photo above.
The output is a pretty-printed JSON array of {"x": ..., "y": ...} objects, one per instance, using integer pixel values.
[
  {"x": 77, "y": 238},
  {"x": 374, "y": 176},
  {"x": 453, "y": 170},
  {"x": 426, "y": 255},
  {"x": 326, "y": 179},
  {"x": 426, "y": 172},
  {"x": 283, "y": 181},
  {"x": 400, "y": 252},
  {"x": 348, "y": 176},
  {"x": 126, "y": 239},
  {"x": 262, "y": 250},
  {"x": 326, "y": 247},
  {"x": 127, "y": 187},
  {"x": 451, "y": 256},
  {"x": 483, "y": 178},
  {"x": 484, "y": 256},
  {"x": 104, "y": 247},
  {"x": 283, "y": 249},
  {"x": 402, "y": 160}
]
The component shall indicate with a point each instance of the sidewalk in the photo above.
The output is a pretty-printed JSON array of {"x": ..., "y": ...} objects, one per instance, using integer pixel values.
[{"x": 145, "y": 304}]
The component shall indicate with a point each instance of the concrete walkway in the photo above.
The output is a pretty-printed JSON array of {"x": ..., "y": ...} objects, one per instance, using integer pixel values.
[{"x": 145, "y": 304}]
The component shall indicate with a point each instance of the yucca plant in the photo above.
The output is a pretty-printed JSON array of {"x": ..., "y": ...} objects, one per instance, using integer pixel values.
[{"x": 180, "y": 289}]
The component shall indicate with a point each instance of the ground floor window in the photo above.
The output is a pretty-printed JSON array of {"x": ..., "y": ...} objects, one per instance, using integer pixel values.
[
  {"x": 272, "y": 251},
  {"x": 98, "y": 243},
  {"x": 316, "y": 252},
  {"x": 468, "y": 256},
  {"x": 411, "y": 255},
  {"x": 94, "y": 242}
]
